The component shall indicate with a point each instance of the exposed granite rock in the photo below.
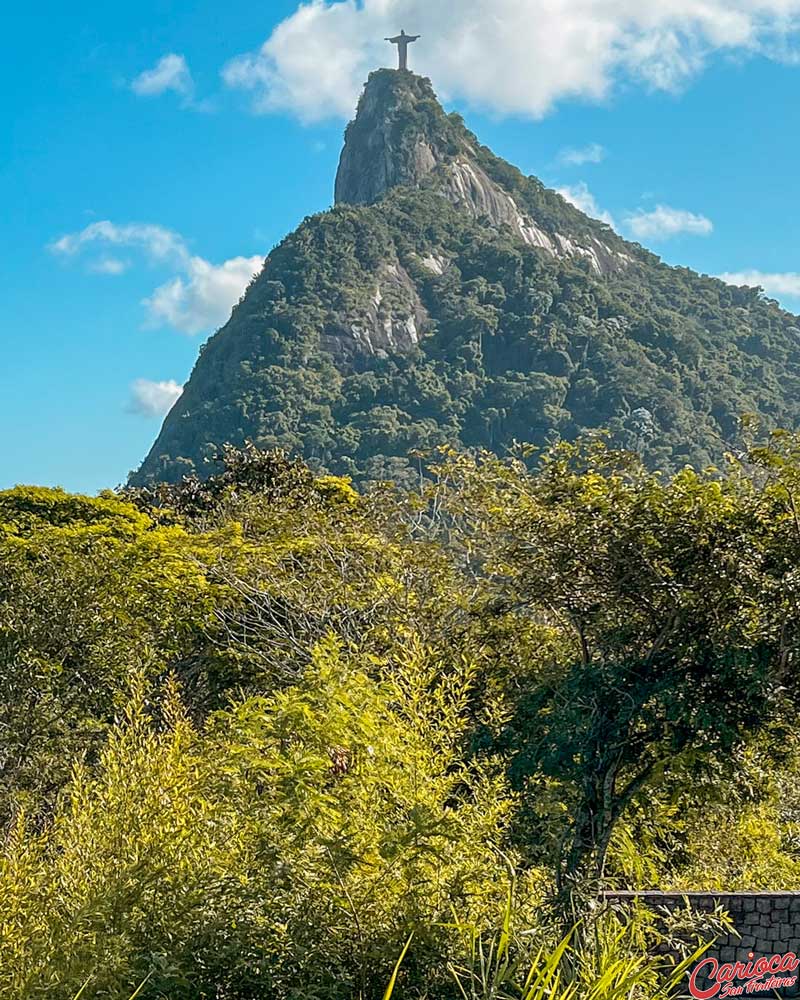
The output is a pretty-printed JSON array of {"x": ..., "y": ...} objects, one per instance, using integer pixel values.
[
  {"x": 392, "y": 323},
  {"x": 390, "y": 143},
  {"x": 466, "y": 184},
  {"x": 435, "y": 263},
  {"x": 401, "y": 137}
]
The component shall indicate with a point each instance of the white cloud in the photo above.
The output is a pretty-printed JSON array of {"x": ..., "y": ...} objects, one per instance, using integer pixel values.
[
  {"x": 581, "y": 197},
  {"x": 512, "y": 56},
  {"x": 153, "y": 399},
  {"x": 196, "y": 299},
  {"x": 205, "y": 296},
  {"x": 109, "y": 265},
  {"x": 593, "y": 153},
  {"x": 171, "y": 72},
  {"x": 781, "y": 283},
  {"x": 157, "y": 242},
  {"x": 664, "y": 222}
]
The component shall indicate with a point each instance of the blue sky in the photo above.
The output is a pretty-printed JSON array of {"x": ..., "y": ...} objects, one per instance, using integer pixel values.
[{"x": 151, "y": 153}]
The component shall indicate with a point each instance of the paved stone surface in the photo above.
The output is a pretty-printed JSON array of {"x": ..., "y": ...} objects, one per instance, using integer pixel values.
[{"x": 766, "y": 923}]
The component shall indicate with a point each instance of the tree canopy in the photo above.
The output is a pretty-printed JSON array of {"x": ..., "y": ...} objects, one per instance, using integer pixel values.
[{"x": 258, "y": 729}]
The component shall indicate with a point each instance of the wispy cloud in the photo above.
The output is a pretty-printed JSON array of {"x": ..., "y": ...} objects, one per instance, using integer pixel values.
[
  {"x": 153, "y": 399},
  {"x": 197, "y": 299},
  {"x": 593, "y": 153},
  {"x": 157, "y": 242},
  {"x": 170, "y": 73},
  {"x": 663, "y": 222},
  {"x": 109, "y": 265},
  {"x": 511, "y": 56},
  {"x": 581, "y": 197},
  {"x": 781, "y": 283}
]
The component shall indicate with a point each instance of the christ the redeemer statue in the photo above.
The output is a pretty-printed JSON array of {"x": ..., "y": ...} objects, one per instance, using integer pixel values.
[{"x": 402, "y": 41}]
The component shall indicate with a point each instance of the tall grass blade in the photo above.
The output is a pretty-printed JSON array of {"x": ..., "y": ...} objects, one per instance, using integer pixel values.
[{"x": 390, "y": 988}]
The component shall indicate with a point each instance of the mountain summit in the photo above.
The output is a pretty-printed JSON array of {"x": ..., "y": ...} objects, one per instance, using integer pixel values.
[
  {"x": 399, "y": 135},
  {"x": 448, "y": 299},
  {"x": 402, "y": 137}
]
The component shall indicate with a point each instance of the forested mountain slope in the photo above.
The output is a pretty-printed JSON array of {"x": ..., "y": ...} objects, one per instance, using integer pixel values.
[{"x": 448, "y": 299}]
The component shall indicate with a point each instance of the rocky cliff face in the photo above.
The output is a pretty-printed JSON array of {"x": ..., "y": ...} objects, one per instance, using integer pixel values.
[
  {"x": 391, "y": 322},
  {"x": 398, "y": 136},
  {"x": 467, "y": 184},
  {"x": 401, "y": 137}
]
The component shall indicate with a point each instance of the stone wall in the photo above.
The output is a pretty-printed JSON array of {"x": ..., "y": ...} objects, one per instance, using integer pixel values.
[{"x": 767, "y": 923}]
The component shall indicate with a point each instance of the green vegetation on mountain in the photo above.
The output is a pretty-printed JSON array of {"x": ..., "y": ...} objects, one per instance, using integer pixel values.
[
  {"x": 258, "y": 731},
  {"x": 416, "y": 321}
]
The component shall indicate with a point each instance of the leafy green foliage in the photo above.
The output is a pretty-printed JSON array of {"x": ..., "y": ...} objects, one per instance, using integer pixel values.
[
  {"x": 678, "y": 612},
  {"x": 286, "y": 851},
  {"x": 612, "y": 959},
  {"x": 92, "y": 589},
  {"x": 258, "y": 729}
]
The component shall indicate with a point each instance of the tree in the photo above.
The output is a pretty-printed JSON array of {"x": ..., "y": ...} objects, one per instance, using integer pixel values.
[
  {"x": 92, "y": 590},
  {"x": 673, "y": 607}
]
